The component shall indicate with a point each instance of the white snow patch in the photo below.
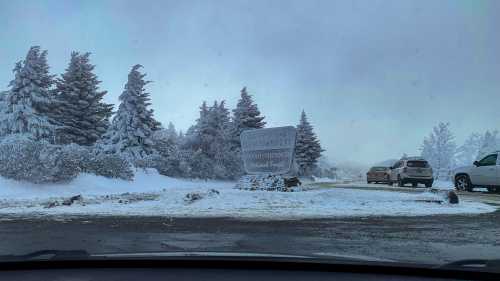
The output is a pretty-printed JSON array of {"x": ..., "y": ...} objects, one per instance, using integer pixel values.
[
  {"x": 444, "y": 185},
  {"x": 164, "y": 196}
]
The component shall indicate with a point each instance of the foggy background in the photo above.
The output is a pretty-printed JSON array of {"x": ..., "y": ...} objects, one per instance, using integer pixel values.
[{"x": 374, "y": 77}]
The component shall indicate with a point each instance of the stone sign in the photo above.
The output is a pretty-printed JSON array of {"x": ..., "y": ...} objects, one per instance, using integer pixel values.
[{"x": 268, "y": 151}]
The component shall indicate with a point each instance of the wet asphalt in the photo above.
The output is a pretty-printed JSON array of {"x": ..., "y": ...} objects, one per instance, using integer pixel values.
[{"x": 427, "y": 239}]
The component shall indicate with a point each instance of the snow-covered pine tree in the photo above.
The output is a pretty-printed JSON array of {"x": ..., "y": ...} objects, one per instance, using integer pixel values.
[
  {"x": 226, "y": 161},
  {"x": 131, "y": 130},
  {"x": 195, "y": 146},
  {"x": 171, "y": 132},
  {"x": 439, "y": 149},
  {"x": 246, "y": 115},
  {"x": 489, "y": 144},
  {"x": 308, "y": 149},
  {"x": 27, "y": 105},
  {"x": 168, "y": 159},
  {"x": 468, "y": 152},
  {"x": 81, "y": 113},
  {"x": 209, "y": 143}
]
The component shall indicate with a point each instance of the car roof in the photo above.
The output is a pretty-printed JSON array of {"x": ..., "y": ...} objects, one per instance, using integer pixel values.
[{"x": 414, "y": 159}]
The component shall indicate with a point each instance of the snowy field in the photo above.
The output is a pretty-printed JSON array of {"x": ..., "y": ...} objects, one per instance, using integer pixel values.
[{"x": 156, "y": 195}]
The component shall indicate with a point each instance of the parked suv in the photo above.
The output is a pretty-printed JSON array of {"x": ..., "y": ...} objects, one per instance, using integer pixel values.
[
  {"x": 484, "y": 173},
  {"x": 412, "y": 170},
  {"x": 378, "y": 174}
]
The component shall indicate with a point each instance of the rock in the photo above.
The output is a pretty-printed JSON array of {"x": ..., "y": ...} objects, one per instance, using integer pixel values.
[
  {"x": 71, "y": 200},
  {"x": 452, "y": 197},
  {"x": 291, "y": 182},
  {"x": 192, "y": 197},
  {"x": 213, "y": 192},
  {"x": 268, "y": 183},
  {"x": 52, "y": 204}
]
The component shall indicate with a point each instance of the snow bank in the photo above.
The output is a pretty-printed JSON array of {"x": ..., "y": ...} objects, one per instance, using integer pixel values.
[
  {"x": 88, "y": 184},
  {"x": 156, "y": 195}
]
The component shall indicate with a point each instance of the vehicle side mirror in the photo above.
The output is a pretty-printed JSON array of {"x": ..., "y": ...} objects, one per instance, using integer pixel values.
[{"x": 476, "y": 163}]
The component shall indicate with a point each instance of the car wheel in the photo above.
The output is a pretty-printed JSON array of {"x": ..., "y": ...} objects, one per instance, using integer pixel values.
[
  {"x": 400, "y": 182},
  {"x": 414, "y": 184},
  {"x": 390, "y": 183},
  {"x": 429, "y": 184},
  {"x": 463, "y": 183}
]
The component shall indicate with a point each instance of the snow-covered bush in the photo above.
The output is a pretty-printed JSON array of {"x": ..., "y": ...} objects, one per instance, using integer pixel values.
[
  {"x": 92, "y": 162},
  {"x": 35, "y": 161},
  {"x": 108, "y": 165}
]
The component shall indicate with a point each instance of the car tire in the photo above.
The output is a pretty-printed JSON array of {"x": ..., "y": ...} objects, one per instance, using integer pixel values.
[
  {"x": 463, "y": 183},
  {"x": 390, "y": 183},
  {"x": 414, "y": 184},
  {"x": 429, "y": 184}
]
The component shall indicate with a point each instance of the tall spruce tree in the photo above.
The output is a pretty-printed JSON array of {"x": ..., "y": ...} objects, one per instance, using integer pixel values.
[
  {"x": 27, "y": 105},
  {"x": 209, "y": 141},
  {"x": 81, "y": 113},
  {"x": 133, "y": 126},
  {"x": 246, "y": 115},
  {"x": 308, "y": 149},
  {"x": 226, "y": 162}
]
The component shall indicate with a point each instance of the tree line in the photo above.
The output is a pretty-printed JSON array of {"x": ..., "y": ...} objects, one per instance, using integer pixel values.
[
  {"x": 61, "y": 125},
  {"x": 439, "y": 148}
]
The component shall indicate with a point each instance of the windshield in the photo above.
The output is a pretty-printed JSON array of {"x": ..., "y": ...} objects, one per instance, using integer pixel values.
[{"x": 251, "y": 127}]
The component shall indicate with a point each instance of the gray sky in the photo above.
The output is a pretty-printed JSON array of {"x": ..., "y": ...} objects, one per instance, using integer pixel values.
[{"x": 373, "y": 76}]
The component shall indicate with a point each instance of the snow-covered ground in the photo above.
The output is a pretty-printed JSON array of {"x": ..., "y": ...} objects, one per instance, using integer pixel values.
[{"x": 153, "y": 194}]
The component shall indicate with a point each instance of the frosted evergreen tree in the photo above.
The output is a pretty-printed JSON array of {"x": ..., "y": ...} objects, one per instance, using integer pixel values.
[
  {"x": 133, "y": 126},
  {"x": 308, "y": 149},
  {"x": 226, "y": 161},
  {"x": 167, "y": 159},
  {"x": 196, "y": 144},
  {"x": 27, "y": 105},
  {"x": 209, "y": 141},
  {"x": 171, "y": 132},
  {"x": 439, "y": 149},
  {"x": 489, "y": 143},
  {"x": 82, "y": 114},
  {"x": 468, "y": 152},
  {"x": 246, "y": 115}
]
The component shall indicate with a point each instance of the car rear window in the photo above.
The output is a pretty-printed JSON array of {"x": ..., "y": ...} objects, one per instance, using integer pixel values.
[
  {"x": 378, "y": 169},
  {"x": 418, "y": 164}
]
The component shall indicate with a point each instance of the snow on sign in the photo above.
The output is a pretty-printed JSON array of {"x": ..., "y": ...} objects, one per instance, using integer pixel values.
[{"x": 268, "y": 151}]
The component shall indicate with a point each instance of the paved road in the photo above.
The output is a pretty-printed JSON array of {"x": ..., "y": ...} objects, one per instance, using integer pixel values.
[{"x": 434, "y": 239}]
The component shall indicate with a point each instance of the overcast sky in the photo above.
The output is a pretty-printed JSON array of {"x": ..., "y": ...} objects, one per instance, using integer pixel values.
[{"x": 374, "y": 77}]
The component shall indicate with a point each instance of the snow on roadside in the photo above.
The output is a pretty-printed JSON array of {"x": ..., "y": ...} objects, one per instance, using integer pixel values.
[
  {"x": 153, "y": 194},
  {"x": 443, "y": 185}
]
